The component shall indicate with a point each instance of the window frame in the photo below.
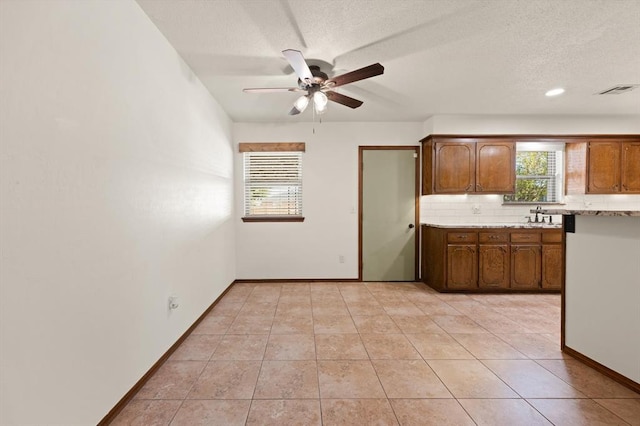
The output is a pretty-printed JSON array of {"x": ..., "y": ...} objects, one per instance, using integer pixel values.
[
  {"x": 558, "y": 177},
  {"x": 270, "y": 147}
]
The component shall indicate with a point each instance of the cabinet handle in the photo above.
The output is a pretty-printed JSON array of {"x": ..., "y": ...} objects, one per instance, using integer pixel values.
[
  {"x": 493, "y": 237},
  {"x": 469, "y": 188},
  {"x": 462, "y": 237},
  {"x": 478, "y": 187}
]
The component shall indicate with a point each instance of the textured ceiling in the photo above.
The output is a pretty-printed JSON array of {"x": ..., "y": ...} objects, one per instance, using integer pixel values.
[{"x": 440, "y": 57}]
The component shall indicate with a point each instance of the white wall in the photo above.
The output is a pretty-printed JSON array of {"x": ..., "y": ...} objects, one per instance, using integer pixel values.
[
  {"x": 602, "y": 314},
  {"x": 117, "y": 191},
  {"x": 330, "y": 200}
]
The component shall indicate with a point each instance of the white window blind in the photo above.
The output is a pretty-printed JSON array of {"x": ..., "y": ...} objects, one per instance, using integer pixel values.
[{"x": 273, "y": 183}]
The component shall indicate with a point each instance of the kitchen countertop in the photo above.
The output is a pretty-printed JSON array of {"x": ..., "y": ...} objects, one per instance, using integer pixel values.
[
  {"x": 495, "y": 225},
  {"x": 589, "y": 212}
]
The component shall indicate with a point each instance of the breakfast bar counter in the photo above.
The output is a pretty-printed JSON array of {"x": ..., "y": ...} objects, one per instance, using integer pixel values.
[{"x": 601, "y": 293}]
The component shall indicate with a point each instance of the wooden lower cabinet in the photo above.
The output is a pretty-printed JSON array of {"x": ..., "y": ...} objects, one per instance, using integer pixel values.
[
  {"x": 504, "y": 259},
  {"x": 552, "y": 269},
  {"x": 493, "y": 260},
  {"x": 526, "y": 269},
  {"x": 461, "y": 267},
  {"x": 493, "y": 266}
]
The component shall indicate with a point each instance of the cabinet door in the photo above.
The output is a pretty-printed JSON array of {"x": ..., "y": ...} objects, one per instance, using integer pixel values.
[
  {"x": 575, "y": 168},
  {"x": 495, "y": 167},
  {"x": 525, "y": 266},
  {"x": 552, "y": 266},
  {"x": 493, "y": 266},
  {"x": 603, "y": 167},
  {"x": 455, "y": 164},
  {"x": 462, "y": 267},
  {"x": 631, "y": 167}
]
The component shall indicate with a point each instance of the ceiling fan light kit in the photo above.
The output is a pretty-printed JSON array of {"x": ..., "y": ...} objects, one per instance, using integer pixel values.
[
  {"x": 301, "y": 103},
  {"x": 320, "y": 101},
  {"x": 318, "y": 85}
]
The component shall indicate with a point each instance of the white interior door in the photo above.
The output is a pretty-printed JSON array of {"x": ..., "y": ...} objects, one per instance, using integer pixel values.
[{"x": 388, "y": 214}]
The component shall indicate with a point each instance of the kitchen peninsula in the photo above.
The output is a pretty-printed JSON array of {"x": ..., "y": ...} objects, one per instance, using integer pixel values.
[{"x": 601, "y": 297}]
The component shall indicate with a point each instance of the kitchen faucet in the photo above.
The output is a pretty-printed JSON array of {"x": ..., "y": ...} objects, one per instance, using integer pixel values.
[{"x": 538, "y": 209}]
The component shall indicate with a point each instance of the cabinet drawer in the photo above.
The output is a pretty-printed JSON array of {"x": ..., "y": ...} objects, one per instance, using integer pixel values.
[
  {"x": 552, "y": 237},
  {"x": 462, "y": 237},
  {"x": 493, "y": 237},
  {"x": 525, "y": 237}
]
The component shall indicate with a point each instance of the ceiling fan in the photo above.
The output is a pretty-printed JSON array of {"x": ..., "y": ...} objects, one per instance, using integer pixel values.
[{"x": 318, "y": 86}]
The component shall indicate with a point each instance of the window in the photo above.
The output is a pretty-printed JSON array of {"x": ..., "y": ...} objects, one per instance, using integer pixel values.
[
  {"x": 539, "y": 167},
  {"x": 272, "y": 181}
]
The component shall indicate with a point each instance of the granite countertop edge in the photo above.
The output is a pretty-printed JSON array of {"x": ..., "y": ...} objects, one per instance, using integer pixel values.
[
  {"x": 634, "y": 213},
  {"x": 493, "y": 225}
]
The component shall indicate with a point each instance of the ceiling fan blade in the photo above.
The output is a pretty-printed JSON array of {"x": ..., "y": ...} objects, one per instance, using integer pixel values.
[
  {"x": 298, "y": 64},
  {"x": 343, "y": 99},
  {"x": 272, "y": 89},
  {"x": 294, "y": 111},
  {"x": 361, "y": 74}
]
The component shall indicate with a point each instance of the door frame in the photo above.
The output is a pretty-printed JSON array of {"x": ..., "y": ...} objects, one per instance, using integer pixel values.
[{"x": 416, "y": 149}]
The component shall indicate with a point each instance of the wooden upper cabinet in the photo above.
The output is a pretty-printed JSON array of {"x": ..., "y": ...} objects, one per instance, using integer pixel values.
[
  {"x": 575, "y": 168},
  {"x": 457, "y": 165},
  {"x": 607, "y": 165},
  {"x": 495, "y": 167},
  {"x": 630, "y": 174},
  {"x": 603, "y": 173}
]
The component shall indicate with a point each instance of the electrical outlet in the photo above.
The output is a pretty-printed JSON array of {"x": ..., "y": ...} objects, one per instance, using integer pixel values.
[
  {"x": 475, "y": 209},
  {"x": 340, "y": 258}
]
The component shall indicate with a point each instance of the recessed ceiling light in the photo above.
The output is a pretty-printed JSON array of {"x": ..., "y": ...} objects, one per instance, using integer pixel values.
[{"x": 555, "y": 92}]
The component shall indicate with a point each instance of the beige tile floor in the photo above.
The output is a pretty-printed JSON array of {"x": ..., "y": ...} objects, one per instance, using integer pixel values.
[{"x": 377, "y": 354}]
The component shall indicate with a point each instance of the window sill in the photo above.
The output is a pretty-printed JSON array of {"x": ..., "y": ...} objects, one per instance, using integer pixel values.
[{"x": 273, "y": 219}]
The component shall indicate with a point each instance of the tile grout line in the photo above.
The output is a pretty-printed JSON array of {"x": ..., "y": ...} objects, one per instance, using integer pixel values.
[
  {"x": 315, "y": 345},
  {"x": 202, "y": 371},
  {"x": 376, "y": 372}
]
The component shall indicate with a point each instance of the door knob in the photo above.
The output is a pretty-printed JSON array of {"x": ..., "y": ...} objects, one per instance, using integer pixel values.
[{"x": 411, "y": 226}]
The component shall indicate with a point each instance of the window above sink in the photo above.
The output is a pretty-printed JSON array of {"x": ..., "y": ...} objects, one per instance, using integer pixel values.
[{"x": 539, "y": 173}]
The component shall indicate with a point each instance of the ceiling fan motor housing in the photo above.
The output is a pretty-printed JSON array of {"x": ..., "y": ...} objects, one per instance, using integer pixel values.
[{"x": 318, "y": 80}]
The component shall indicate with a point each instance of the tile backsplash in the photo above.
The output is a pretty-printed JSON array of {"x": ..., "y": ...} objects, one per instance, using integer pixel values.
[{"x": 483, "y": 209}]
